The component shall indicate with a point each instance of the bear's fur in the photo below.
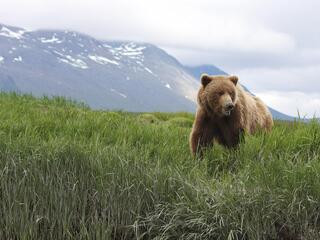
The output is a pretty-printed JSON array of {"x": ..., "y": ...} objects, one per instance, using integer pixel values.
[{"x": 225, "y": 111}]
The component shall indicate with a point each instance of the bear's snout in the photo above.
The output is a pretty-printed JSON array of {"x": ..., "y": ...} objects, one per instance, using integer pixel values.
[{"x": 229, "y": 107}]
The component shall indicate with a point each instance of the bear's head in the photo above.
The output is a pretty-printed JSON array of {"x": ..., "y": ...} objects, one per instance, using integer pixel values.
[{"x": 218, "y": 94}]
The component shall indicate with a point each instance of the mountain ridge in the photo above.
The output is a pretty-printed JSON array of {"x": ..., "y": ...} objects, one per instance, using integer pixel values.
[{"x": 121, "y": 75}]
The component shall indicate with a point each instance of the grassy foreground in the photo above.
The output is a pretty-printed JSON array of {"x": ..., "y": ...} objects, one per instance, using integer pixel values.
[{"x": 67, "y": 172}]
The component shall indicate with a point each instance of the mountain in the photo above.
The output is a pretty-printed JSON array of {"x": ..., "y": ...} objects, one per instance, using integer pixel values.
[
  {"x": 108, "y": 75},
  {"x": 104, "y": 74}
]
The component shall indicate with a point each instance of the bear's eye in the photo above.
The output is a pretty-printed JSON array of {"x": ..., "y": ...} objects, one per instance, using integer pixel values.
[{"x": 220, "y": 93}]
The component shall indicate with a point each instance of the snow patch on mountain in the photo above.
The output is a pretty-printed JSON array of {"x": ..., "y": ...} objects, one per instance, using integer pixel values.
[
  {"x": 17, "y": 59},
  {"x": 1, "y": 60},
  {"x": 131, "y": 53},
  {"x": 106, "y": 46},
  {"x": 168, "y": 86},
  {"x": 149, "y": 70},
  {"x": 54, "y": 39},
  {"x": 78, "y": 63},
  {"x": 119, "y": 93},
  {"x": 102, "y": 60},
  {"x": 6, "y": 32},
  {"x": 127, "y": 51}
]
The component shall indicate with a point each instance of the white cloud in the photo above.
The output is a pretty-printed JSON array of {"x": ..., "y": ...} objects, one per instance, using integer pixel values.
[
  {"x": 303, "y": 79},
  {"x": 292, "y": 103},
  {"x": 187, "y": 24}
]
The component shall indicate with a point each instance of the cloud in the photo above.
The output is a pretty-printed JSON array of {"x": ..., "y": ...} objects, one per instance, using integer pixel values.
[
  {"x": 293, "y": 103},
  {"x": 304, "y": 79},
  {"x": 190, "y": 24}
]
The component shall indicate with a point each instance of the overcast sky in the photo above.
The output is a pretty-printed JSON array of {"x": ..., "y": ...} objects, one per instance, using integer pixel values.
[{"x": 272, "y": 45}]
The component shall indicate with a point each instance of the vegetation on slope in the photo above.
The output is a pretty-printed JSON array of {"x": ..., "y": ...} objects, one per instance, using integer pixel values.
[{"x": 67, "y": 172}]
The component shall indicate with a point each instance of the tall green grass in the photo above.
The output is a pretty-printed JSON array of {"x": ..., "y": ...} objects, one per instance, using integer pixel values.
[{"x": 67, "y": 172}]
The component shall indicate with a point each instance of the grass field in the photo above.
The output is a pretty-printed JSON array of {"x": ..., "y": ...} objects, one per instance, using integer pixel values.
[{"x": 67, "y": 172}]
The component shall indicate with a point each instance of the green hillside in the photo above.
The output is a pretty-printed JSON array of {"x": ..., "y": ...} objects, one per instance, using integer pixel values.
[{"x": 67, "y": 172}]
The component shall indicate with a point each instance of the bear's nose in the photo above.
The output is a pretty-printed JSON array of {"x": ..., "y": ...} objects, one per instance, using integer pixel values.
[{"x": 229, "y": 107}]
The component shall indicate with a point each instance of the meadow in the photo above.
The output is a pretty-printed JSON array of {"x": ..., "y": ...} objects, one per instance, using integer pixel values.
[{"x": 68, "y": 172}]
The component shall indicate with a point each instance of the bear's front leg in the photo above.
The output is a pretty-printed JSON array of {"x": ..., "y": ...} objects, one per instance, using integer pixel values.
[
  {"x": 199, "y": 140},
  {"x": 232, "y": 138},
  {"x": 202, "y": 133}
]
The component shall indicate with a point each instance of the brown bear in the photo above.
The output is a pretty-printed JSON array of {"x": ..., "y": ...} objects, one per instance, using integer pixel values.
[{"x": 225, "y": 111}]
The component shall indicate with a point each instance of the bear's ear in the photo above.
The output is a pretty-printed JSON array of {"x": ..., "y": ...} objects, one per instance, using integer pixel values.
[
  {"x": 205, "y": 79},
  {"x": 234, "y": 79}
]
